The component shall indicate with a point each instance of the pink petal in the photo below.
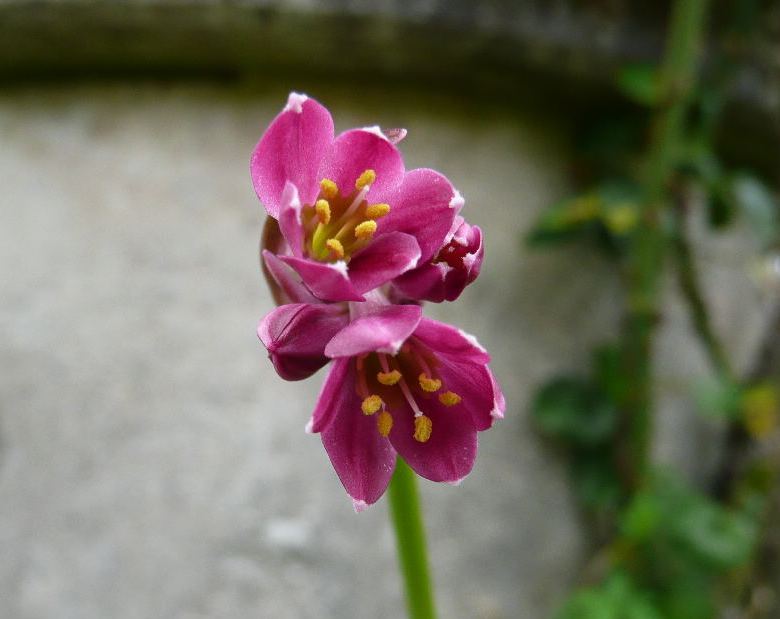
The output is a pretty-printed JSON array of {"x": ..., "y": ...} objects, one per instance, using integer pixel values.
[
  {"x": 426, "y": 282},
  {"x": 363, "y": 459},
  {"x": 296, "y": 334},
  {"x": 388, "y": 256},
  {"x": 290, "y": 222},
  {"x": 337, "y": 391},
  {"x": 384, "y": 328},
  {"x": 449, "y": 453},
  {"x": 327, "y": 281},
  {"x": 474, "y": 384},
  {"x": 499, "y": 402},
  {"x": 421, "y": 206},
  {"x": 292, "y": 287},
  {"x": 292, "y": 149},
  {"x": 357, "y": 150},
  {"x": 448, "y": 340}
]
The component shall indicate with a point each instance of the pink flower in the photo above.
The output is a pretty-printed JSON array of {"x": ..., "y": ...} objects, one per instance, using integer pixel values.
[
  {"x": 398, "y": 384},
  {"x": 351, "y": 217},
  {"x": 446, "y": 275}
]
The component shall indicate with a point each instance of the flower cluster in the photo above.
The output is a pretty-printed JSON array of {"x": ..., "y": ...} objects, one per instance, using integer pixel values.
[{"x": 353, "y": 245}]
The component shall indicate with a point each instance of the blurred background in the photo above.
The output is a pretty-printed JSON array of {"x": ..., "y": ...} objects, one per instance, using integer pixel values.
[{"x": 153, "y": 465}]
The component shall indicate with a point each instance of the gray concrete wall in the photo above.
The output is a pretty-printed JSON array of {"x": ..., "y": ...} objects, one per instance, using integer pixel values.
[{"x": 151, "y": 462}]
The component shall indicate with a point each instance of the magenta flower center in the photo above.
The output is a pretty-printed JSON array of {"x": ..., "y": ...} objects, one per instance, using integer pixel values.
[
  {"x": 392, "y": 384},
  {"x": 337, "y": 225}
]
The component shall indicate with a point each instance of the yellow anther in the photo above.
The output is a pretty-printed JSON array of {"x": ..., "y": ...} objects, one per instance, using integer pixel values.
[
  {"x": 384, "y": 423},
  {"x": 449, "y": 398},
  {"x": 429, "y": 384},
  {"x": 322, "y": 208},
  {"x": 365, "y": 229},
  {"x": 423, "y": 426},
  {"x": 365, "y": 179},
  {"x": 335, "y": 247},
  {"x": 375, "y": 211},
  {"x": 389, "y": 378},
  {"x": 328, "y": 188},
  {"x": 371, "y": 404}
]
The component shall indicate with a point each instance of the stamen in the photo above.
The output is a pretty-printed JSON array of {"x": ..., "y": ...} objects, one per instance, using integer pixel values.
[
  {"x": 365, "y": 229},
  {"x": 389, "y": 378},
  {"x": 365, "y": 179},
  {"x": 371, "y": 404},
  {"x": 384, "y": 423},
  {"x": 336, "y": 248},
  {"x": 449, "y": 398},
  {"x": 375, "y": 211},
  {"x": 423, "y": 426},
  {"x": 328, "y": 188},
  {"x": 429, "y": 384},
  {"x": 409, "y": 397},
  {"x": 322, "y": 208}
]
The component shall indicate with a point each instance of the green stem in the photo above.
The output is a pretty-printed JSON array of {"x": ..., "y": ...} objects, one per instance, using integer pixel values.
[
  {"x": 410, "y": 540},
  {"x": 688, "y": 280},
  {"x": 648, "y": 245}
]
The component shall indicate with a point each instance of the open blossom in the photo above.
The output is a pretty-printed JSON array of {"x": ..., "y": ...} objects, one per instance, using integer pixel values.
[
  {"x": 398, "y": 384},
  {"x": 351, "y": 217},
  {"x": 353, "y": 244}
]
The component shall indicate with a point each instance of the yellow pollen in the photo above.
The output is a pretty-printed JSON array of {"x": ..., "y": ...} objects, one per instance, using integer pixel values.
[
  {"x": 365, "y": 229},
  {"x": 389, "y": 378},
  {"x": 423, "y": 426},
  {"x": 365, "y": 179},
  {"x": 384, "y": 423},
  {"x": 371, "y": 404},
  {"x": 335, "y": 247},
  {"x": 322, "y": 208},
  {"x": 375, "y": 211},
  {"x": 449, "y": 398},
  {"x": 429, "y": 384},
  {"x": 328, "y": 188}
]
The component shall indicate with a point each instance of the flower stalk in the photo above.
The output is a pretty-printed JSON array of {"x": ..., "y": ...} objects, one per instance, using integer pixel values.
[
  {"x": 410, "y": 540},
  {"x": 648, "y": 246}
]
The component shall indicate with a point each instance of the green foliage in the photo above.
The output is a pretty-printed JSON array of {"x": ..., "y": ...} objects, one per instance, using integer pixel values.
[
  {"x": 674, "y": 545},
  {"x": 574, "y": 411},
  {"x": 616, "y": 598},
  {"x": 669, "y": 517},
  {"x": 581, "y": 414},
  {"x": 640, "y": 83},
  {"x": 718, "y": 397},
  {"x": 607, "y": 214}
]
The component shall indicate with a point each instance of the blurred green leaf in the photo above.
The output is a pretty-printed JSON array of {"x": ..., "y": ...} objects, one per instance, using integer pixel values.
[
  {"x": 608, "y": 371},
  {"x": 566, "y": 220},
  {"x": 574, "y": 410},
  {"x": 718, "y": 397},
  {"x": 643, "y": 517},
  {"x": 640, "y": 83},
  {"x": 616, "y": 598},
  {"x": 595, "y": 478}
]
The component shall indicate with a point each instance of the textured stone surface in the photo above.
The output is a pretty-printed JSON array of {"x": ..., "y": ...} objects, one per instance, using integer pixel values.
[{"x": 153, "y": 465}]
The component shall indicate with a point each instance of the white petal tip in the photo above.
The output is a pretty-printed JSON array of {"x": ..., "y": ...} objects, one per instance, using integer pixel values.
[
  {"x": 359, "y": 506},
  {"x": 457, "y": 201},
  {"x": 472, "y": 340},
  {"x": 341, "y": 267},
  {"x": 496, "y": 413},
  {"x": 456, "y": 482},
  {"x": 295, "y": 102},
  {"x": 309, "y": 429},
  {"x": 394, "y": 136},
  {"x": 376, "y": 130}
]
